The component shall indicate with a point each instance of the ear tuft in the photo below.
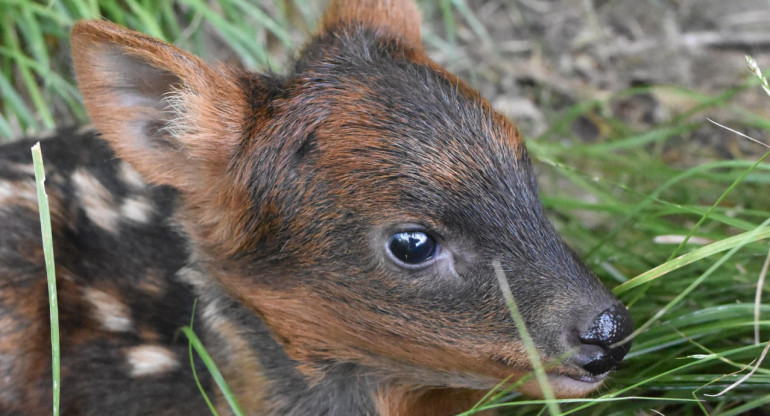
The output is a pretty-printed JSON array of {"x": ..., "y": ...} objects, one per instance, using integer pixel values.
[{"x": 398, "y": 19}]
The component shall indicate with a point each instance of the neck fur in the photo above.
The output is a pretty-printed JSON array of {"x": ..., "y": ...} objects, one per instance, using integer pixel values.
[{"x": 267, "y": 382}]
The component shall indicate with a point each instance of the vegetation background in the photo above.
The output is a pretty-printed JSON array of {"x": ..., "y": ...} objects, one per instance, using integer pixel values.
[{"x": 613, "y": 95}]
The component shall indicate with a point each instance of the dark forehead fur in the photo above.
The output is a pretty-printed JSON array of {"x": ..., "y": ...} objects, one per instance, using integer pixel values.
[
  {"x": 365, "y": 82},
  {"x": 367, "y": 113}
]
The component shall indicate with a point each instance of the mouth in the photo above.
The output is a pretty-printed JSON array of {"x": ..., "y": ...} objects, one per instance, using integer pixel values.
[
  {"x": 565, "y": 382},
  {"x": 587, "y": 378},
  {"x": 568, "y": 385}
]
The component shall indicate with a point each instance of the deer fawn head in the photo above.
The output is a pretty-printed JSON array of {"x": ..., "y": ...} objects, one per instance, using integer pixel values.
[{"x": 357, "y": 204}]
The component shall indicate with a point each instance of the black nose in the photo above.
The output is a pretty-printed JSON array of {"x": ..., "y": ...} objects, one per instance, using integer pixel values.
[{"x": 598, "y": 352}]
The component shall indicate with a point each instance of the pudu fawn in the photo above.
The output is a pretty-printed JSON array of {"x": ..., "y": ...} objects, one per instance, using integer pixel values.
[{"x": 338, "y": 226}]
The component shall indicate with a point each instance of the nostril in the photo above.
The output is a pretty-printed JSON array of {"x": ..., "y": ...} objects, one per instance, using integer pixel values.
[
  {"x": 598, "y": 353},
  {"x": 594, "y": 359}
]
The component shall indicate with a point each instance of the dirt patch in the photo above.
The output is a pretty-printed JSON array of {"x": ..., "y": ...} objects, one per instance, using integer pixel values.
[{"x": 534, "y": 58}]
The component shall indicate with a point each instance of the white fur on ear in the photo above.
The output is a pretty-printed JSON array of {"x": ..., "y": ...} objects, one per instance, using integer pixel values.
[{"x": 170, "y": 115}]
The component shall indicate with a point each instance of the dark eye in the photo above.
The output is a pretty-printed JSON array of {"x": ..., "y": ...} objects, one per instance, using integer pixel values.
[{"x": 412, "y": 247}]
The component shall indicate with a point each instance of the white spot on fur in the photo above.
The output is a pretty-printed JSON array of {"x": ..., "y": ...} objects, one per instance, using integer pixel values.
[
  {"x": 130, "y": 177},
  {"x": 16, "y": 192},
  {"x": 137, "y": 209},
  {"x": 97, "y": 200},
  {"x": 147, "y": 360},
  {"x": 191, "y": 276},
  {"x": 111, "y": 313},
  {"x": 24, "y": 168},
  {"x": 212, "y": 314},
  {"x": 5, "y": 191}
]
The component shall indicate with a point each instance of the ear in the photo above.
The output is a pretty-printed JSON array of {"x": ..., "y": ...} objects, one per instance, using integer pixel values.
[
  {"x": 166, "y": 112},
  {"x": 398, "y": 19}
]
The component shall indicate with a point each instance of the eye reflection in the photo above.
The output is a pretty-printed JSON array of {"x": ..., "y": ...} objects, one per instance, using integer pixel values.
[{"x": 412, "y": 247}]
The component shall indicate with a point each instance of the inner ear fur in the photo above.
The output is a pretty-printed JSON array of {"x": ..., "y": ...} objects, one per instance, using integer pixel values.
[{"x": 170, "y": 115}]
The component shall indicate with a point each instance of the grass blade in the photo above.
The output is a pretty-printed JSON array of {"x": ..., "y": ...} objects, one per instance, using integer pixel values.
[
  {"x": 192, "y": 365},
  {"x": 759, "y": 233},
  {"x": 34, "y": 91},
  {"x": 45, "y": 227},
  {"x": 719, "y": 200},
  {"x": 5, "y": 128},
  {"x": 529, "y": 344},
  {"x": 212, "y": 367}
]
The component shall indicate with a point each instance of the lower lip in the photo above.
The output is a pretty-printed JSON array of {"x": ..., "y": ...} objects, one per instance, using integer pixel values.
[
  {"x": 575, "y": 386},
  {"x": 589, "y": 379},
  {"x": 564, "y": 386}
]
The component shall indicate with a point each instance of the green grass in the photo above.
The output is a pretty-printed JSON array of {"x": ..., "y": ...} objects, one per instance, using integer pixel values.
[
  {"x": 36, "y": 83},
  {"x": 526, "y": 339},
  {"x": 53, "y": 299},
  {"x": 695, "y": 304},
  {"x": 610, "y": 198},
  {"x": 195, "y": 343}
]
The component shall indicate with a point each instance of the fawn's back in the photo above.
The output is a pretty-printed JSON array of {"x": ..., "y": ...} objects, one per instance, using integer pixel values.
[{"x": 344, "y": 229}]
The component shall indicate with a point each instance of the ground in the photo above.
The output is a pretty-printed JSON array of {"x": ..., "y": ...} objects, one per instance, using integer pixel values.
[{"x": 542, "y": 56}]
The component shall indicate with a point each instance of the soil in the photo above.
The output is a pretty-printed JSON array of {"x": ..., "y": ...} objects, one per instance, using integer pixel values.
[{"x": 534, "y": 58}]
